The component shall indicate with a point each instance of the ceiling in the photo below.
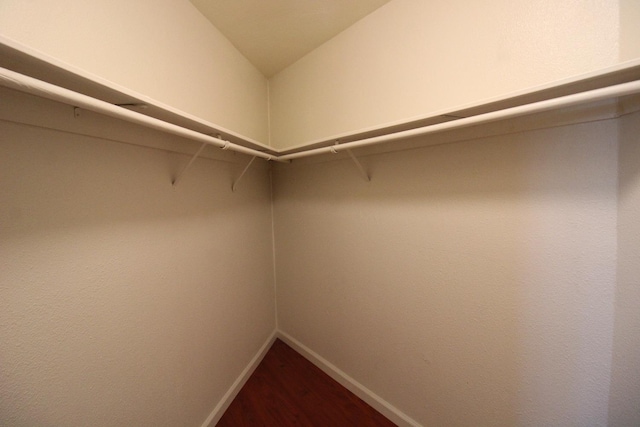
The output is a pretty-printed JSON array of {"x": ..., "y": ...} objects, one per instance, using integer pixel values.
[{"x": 274, "y": 34}]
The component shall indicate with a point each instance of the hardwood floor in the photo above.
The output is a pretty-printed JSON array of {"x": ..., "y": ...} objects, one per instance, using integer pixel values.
[{"x": 288, "y": 390}]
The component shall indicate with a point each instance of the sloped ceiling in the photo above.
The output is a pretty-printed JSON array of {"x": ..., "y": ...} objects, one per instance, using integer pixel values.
[{"x": 274, "y": 34}]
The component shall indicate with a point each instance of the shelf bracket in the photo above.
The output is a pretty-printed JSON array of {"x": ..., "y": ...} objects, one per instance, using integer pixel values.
[
  {"x": 246, "y": 168},
  {"x": 363, "y": 173},
  {"x": 188, "y": 165}
]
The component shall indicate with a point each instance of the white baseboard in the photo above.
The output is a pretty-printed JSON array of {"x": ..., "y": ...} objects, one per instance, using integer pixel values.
[
  {"x": 378, "y": 403},
  {"x": 235, "y": 388}
]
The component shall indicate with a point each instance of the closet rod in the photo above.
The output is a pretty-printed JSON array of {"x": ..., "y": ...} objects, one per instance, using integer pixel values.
[
  {"x": 521, "y": 110},
  {"x": 43, "y": 89}
]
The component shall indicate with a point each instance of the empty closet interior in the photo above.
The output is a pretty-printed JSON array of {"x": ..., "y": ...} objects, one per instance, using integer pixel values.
[{"x": 439, "y": 206}]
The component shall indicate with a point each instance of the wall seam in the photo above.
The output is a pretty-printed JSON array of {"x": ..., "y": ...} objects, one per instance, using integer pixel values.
[
  {"x": 269, "y": 113},
  {"x": 273, "y": 250}
]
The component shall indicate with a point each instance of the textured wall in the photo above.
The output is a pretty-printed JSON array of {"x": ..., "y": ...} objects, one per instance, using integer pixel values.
[
  {"x": 466, "y": 284},
  {"x": 414, "y": 57},
  {"x": 124, "y": 301},
  {"x": 624, "y": 407},
  {"x": 629, "y": 30},
  {"x": 164, "y": 49}
]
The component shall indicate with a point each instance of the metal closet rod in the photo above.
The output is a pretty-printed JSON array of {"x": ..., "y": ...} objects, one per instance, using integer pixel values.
[
  {"x": 43, "y": 89},
  {"x": 33, "y": 86}
]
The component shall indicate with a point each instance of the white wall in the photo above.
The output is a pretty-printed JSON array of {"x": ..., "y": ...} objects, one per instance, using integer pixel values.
[
  {"x": 413, "y": 57},
  {"x": 466, "y": 284},
  {"x": 123, "y": 300},
  {"x": 629, "y": 29},
  {"x": 624, "y": 409},
  {"x": 164, "y": 49}
]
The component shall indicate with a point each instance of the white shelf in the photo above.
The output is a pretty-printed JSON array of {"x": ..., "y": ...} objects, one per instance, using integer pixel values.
[
  {"x": 602, "y": 84},
  {"x": 26, "y": 61},
  {"x": 618, "y": 74}
]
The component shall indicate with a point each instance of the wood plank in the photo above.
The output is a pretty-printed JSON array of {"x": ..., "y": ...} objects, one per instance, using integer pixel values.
[{"x": 288, "y": 390}]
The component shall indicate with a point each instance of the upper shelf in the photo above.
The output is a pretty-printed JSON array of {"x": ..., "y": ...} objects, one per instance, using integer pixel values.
[
  {"x": 610, "y": 82},
  {"x": 610, "y": 76},
  {"x": 23, "y": 60}
]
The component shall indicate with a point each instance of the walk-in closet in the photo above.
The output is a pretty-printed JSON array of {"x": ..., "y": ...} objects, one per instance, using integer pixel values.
[{"x": 437, "y": 203}]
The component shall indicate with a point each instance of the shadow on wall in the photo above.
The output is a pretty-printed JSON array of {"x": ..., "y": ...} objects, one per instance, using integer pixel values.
[
  {"x": 624, "y": 403},
  {"x": 86, "y": 182},
  {"x": 467, "y": 284},
  {"x": 123, "y": 300}
]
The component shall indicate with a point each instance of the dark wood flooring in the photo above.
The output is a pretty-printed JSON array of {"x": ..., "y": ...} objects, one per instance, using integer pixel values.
[{"x": 288, "y": 390}]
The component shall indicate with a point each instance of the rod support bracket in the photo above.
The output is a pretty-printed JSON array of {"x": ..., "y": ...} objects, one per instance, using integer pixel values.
[
  {"x": 244, "y": 171},
  {"x": 188, "y": 165},
  {"x": 361, "y": 171}
]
